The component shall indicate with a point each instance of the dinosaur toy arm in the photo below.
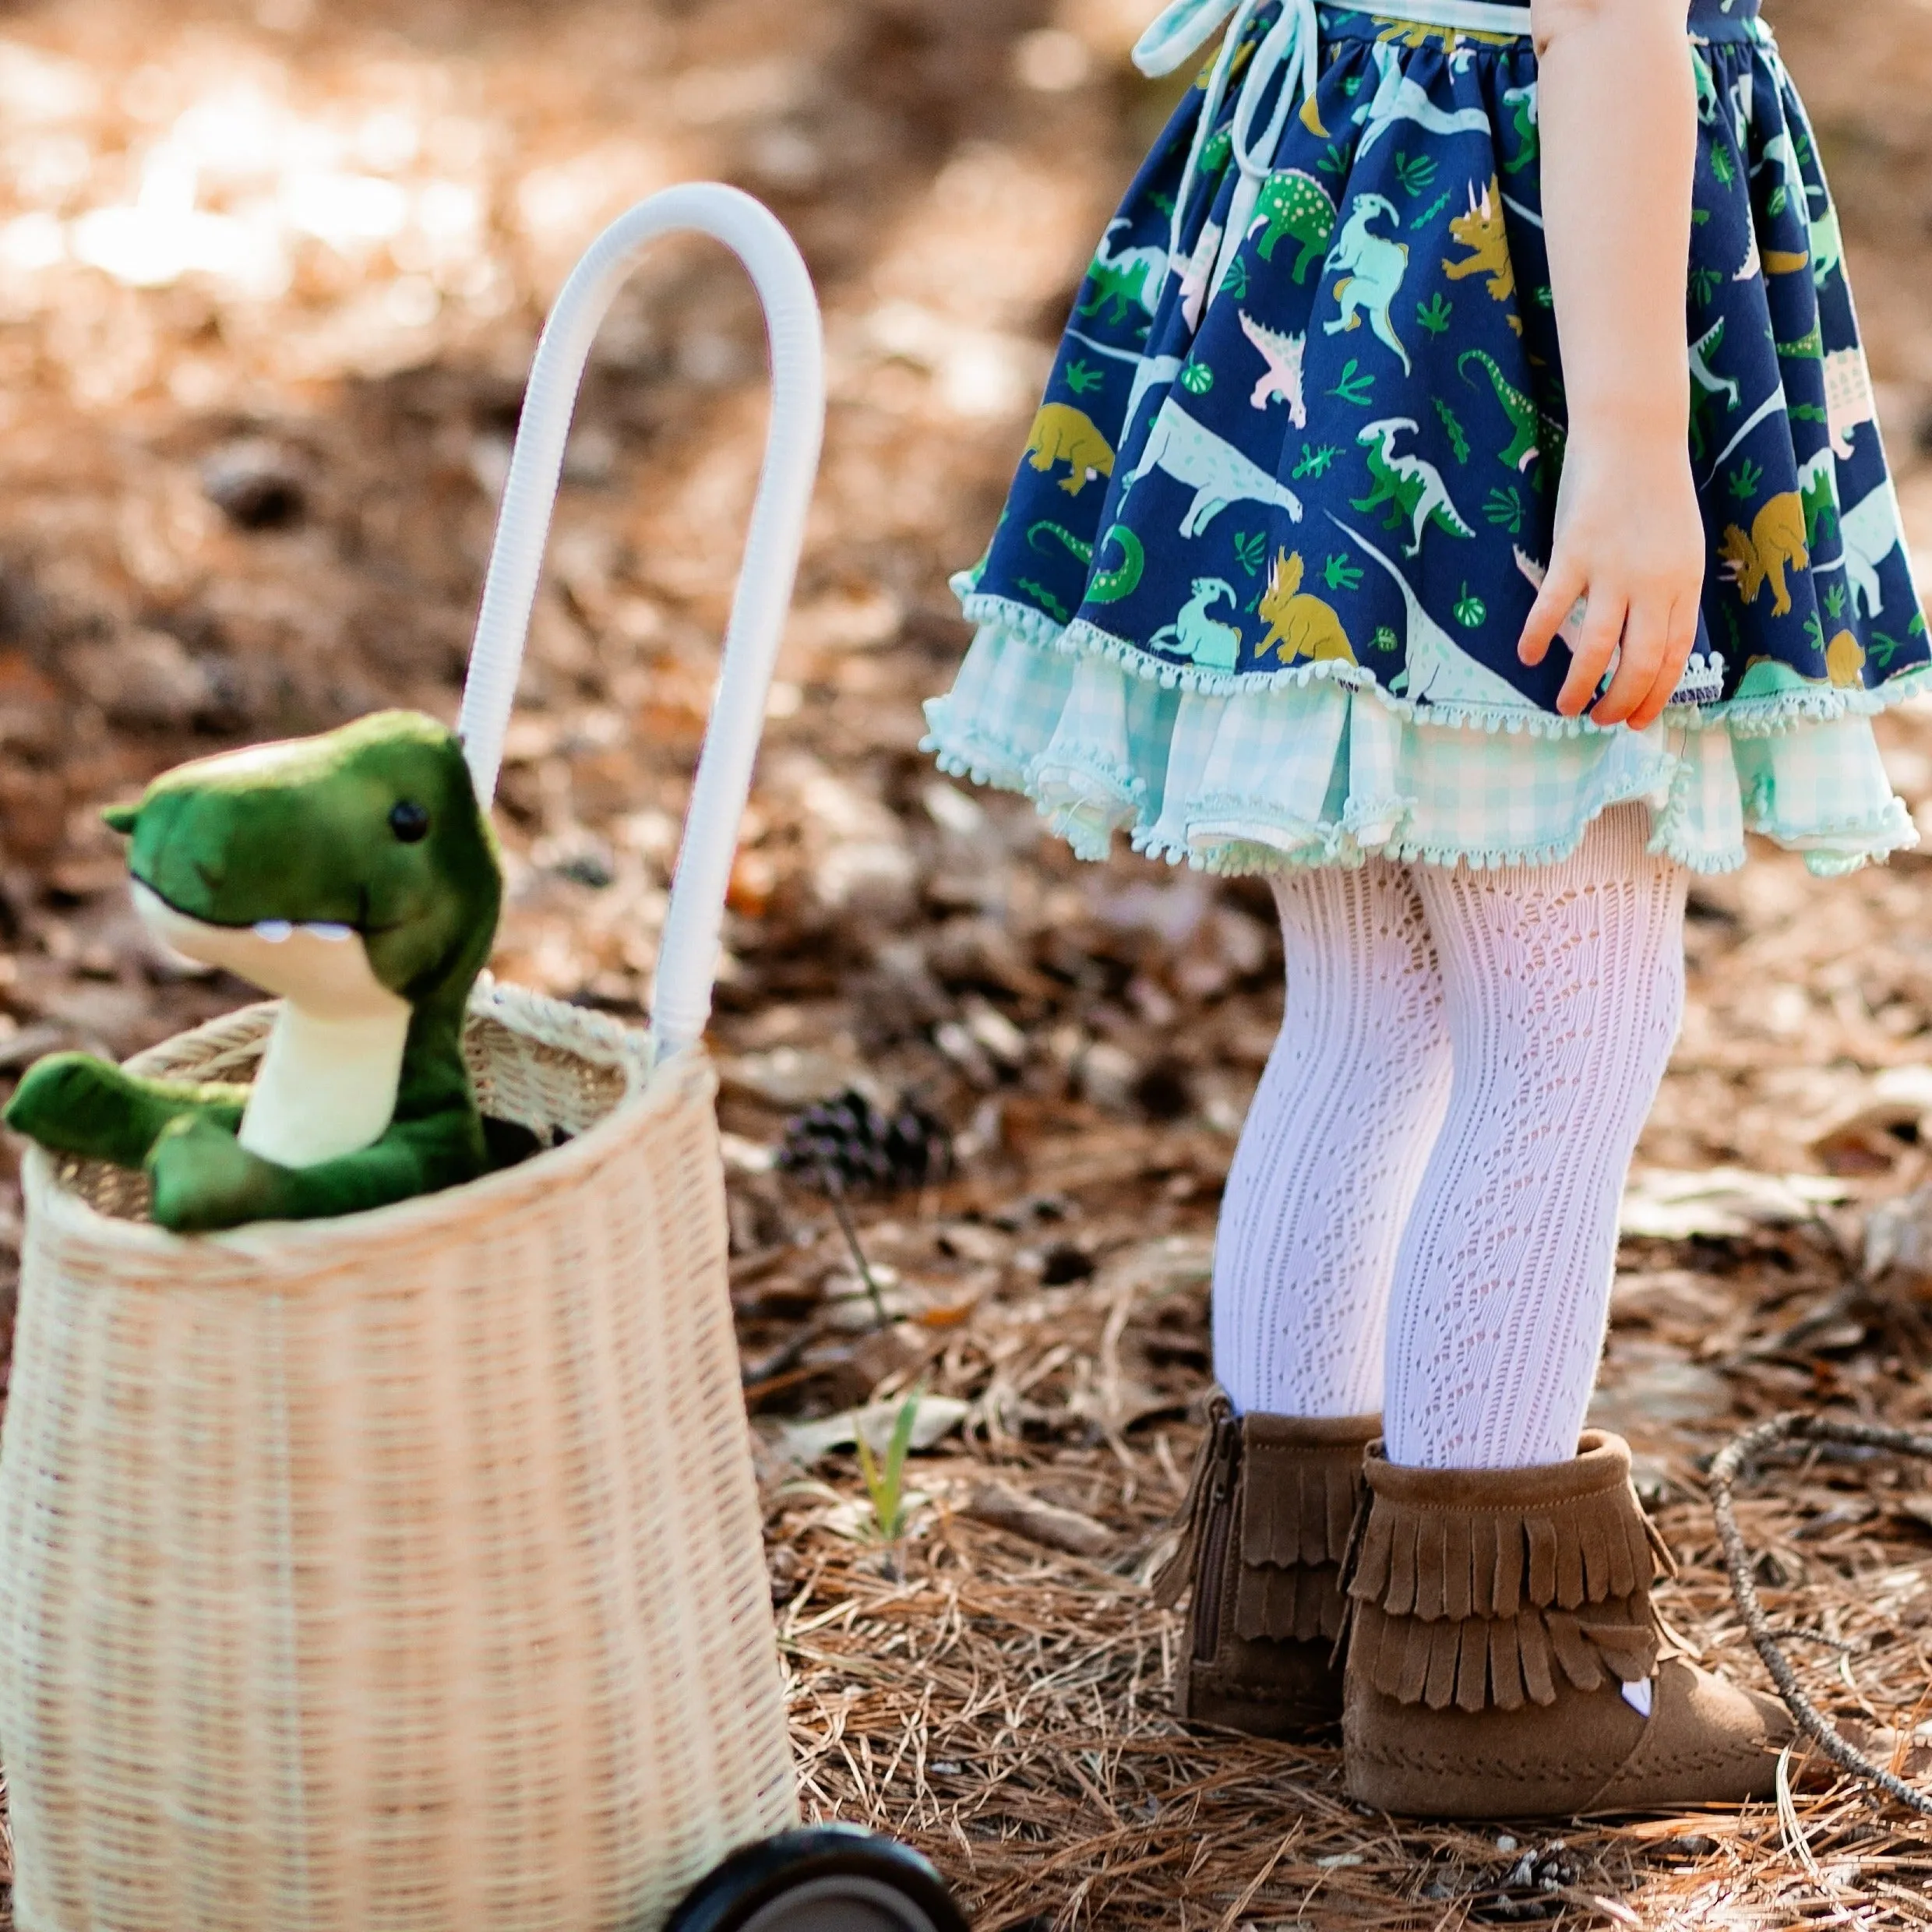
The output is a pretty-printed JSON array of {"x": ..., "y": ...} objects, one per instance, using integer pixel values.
[
  {"x": 204, "y": 1179},
  {"x": 1619, "y": 104},
  {"x": 73, "y": 1103}
]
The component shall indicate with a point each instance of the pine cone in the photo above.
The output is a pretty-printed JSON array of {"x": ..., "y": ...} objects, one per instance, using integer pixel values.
[{"x": 863, "y": 1149}]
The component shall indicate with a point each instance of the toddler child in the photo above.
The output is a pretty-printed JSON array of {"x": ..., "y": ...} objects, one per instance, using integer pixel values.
[{"x": 1458, "y": 498}]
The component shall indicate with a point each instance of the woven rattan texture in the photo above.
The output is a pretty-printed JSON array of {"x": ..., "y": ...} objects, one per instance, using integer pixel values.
[{"x": 402, "y": 1573}]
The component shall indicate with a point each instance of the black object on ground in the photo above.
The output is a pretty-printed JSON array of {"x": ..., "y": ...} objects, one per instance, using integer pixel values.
[{"x": 825, "y": 1878}]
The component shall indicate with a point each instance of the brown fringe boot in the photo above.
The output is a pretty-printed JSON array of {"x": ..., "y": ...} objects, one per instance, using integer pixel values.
[
  {"x": 1267, "y": 1521},
  {"x": 1498, "y": 1617}
]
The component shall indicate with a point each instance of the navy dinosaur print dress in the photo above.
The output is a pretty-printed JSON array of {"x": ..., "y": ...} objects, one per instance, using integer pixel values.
[{"x": 1255, "y": 596}]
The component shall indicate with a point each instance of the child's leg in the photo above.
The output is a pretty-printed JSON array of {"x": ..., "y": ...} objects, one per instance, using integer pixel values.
[
  {"x": 1565, "y": 990},
  {"x": 1333, "y": 1150}
]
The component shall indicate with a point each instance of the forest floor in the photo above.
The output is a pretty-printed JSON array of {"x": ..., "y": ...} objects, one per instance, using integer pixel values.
[{"x": 270, "y": 276}]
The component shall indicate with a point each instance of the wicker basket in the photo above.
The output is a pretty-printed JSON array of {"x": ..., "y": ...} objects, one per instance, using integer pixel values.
[{"x": 402, "y": 1573}]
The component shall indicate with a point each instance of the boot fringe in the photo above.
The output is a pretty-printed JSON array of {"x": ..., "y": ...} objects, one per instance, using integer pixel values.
[
  {"x": 1424, "y": 1559},
  {"x": 1296, "y": 1510},
  {"x": 1478, "y": 1663},
  {"x": 1479, "y": 1590}
]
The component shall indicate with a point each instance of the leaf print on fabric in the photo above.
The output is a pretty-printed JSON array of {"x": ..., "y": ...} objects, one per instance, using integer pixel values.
[
  {"x": 1354, "y": 385},
  {"x": 1434, "y": 315},
  {"x": 1045, "y": 599},
  {"x": 1428, "y": 214},
  {"x": 1250, "y": 550},
  {"x": 1415, "y": 172},
  {"x": 1375, "y": 266}
]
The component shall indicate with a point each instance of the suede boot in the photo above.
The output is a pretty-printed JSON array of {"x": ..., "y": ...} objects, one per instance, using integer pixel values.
[
  {"x": 1505, "y": 1661},
  {"x": 1267, "y": 1521}
]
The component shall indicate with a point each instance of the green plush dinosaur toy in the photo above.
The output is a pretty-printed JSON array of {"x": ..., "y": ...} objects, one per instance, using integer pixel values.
[{"x": 354, "y": 874}]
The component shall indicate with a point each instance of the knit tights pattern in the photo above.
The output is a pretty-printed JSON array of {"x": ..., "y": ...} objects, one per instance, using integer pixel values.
[{"x": 1421, "y": 1213}]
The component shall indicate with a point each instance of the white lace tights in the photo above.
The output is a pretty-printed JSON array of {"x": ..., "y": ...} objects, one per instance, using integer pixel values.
[{"x": 1421, "y": 1213}]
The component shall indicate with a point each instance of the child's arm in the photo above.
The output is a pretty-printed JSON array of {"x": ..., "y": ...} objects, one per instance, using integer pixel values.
[{"x": 1618, "y": 111}]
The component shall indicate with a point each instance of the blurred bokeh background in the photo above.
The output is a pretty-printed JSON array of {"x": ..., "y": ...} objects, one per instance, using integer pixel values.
[{"x": 270, "y": 276}]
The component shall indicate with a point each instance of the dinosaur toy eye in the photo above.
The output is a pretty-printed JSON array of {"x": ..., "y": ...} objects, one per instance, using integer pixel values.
[{"x": 409, "y": 821}]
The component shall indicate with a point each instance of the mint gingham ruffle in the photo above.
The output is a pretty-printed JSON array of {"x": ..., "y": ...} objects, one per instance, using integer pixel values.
[{"x": 1256, "y": 780}]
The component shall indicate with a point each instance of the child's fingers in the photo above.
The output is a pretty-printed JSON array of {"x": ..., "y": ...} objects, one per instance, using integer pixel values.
[
  {"x": 1681, "y": 641},
  {"x": 1590, "y": 654},
  {"x": 1646, "y": 635},
  {"x": 1562, "y": 587}
]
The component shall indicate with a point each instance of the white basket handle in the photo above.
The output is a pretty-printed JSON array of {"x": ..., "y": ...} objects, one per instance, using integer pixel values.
[{"x": 687, "y": 956}]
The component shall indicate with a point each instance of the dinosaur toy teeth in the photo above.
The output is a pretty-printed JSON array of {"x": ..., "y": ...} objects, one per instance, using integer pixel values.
[{"x": 277, "y": 931}]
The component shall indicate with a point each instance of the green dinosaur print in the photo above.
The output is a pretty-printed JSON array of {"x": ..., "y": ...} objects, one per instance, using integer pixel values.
[
  {"x": 1296, "y": 206},
  {"x": 1809, "y": 347},
  {"x": 354, "y": 874},
  {"x": 1124, "y": 279},
  {"x": 1412, "y": 489},
  {"x": 1522, "y": 100},
  {"x": 1534, "y": 432},
  {"x": 1103, "y": 586}
]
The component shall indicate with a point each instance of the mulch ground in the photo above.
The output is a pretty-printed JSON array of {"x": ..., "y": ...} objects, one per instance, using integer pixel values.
[{"x": 250, "y": 458}]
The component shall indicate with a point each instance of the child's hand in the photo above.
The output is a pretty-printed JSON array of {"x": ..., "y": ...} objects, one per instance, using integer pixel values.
[{"x": 1630, "y": 542}]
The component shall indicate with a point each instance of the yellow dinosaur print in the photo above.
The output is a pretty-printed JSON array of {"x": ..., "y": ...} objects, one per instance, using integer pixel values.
[
  {"x": 1785, "y": 261},
  {"x": 1447, "y": 38},
  {"x": 1844, "y": 660},
  {"x": 1300, "y": 624},
  {"x": 1776, "y": 539},
  {"x": 1062, "y": 434},
  {"x": 1482, "y": 230}
]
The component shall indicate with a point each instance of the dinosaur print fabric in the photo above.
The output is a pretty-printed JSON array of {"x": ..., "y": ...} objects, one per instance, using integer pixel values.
[{"x": 1286, "y": 502}]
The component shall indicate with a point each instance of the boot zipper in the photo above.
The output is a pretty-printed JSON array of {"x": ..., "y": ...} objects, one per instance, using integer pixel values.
[{"x": 1211, "y": 1565}]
